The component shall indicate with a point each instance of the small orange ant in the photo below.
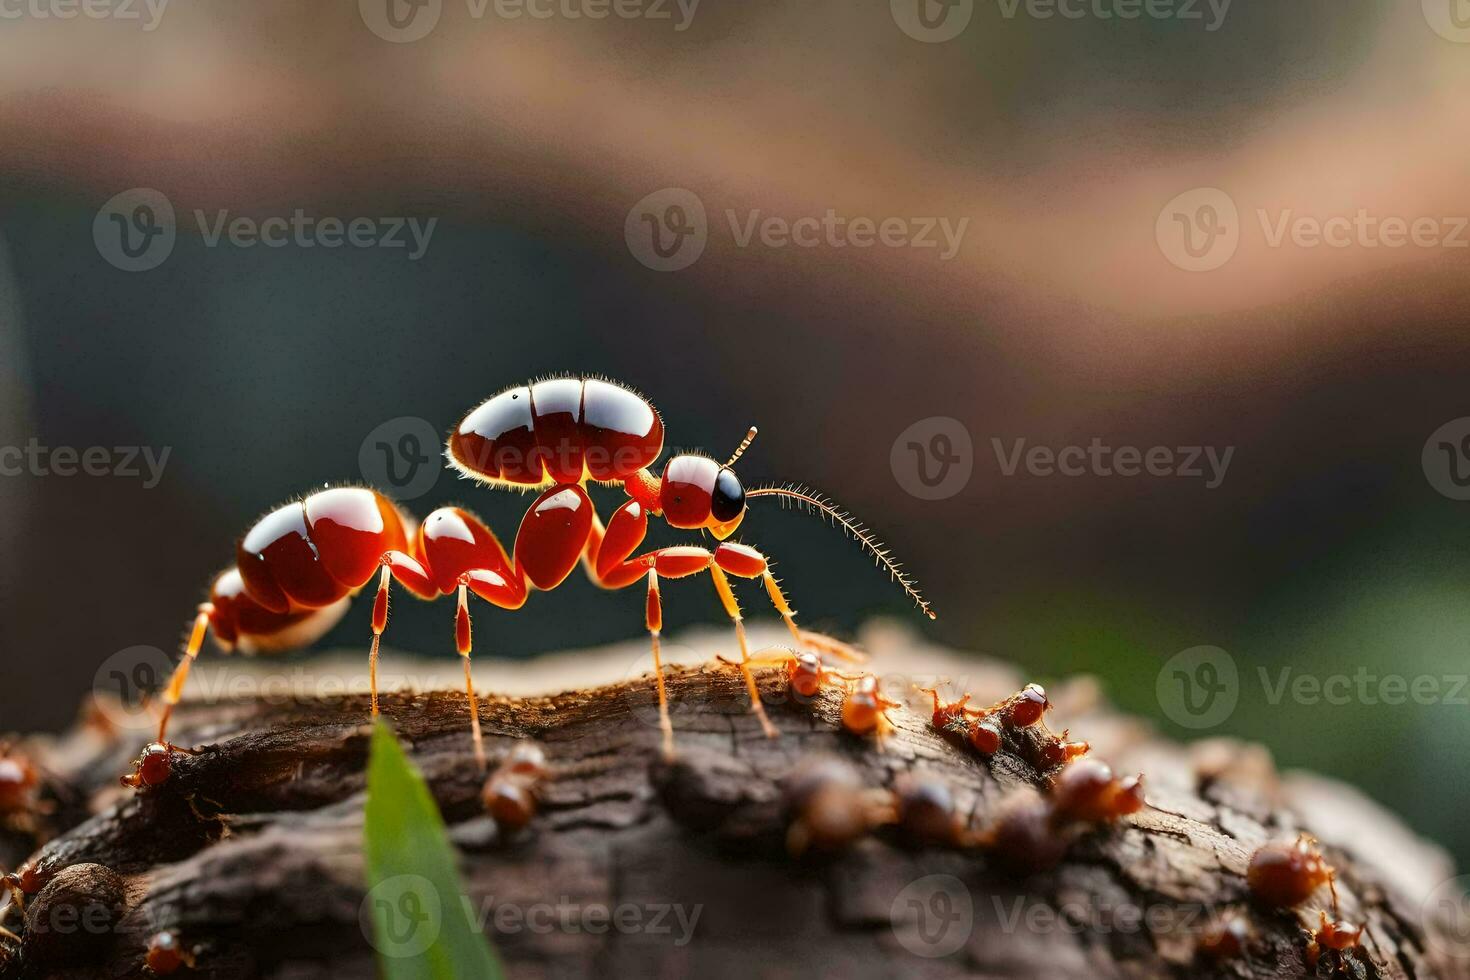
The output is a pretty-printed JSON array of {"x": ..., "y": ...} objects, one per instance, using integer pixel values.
[
  {"x": 830, "y": 807},
  {"x": 805, "y": 673},
  {"x": 1332, "y": 935},
  {"x": 1284, "y": 874},
  {"x": 1086, "y": 791},
  {"x": 1024, "y": 838},
  {"x": 16, "y": 886},
  {"x": 865, "y": 709},
  {"x": 166, "y": 953},
  {"x": 297, "y": 568},
  {"x": 926, "y": 810},
  {"x": 21, "y": 806},
  {"x": 1226, "y": 938},
  {"x": 509, "y": 794},
  {"x": 154, "y": 765},
  {"x": 984, "y": 728}
]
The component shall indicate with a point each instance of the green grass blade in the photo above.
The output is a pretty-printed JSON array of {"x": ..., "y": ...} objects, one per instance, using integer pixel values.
[{"x": 419, "y": 920}]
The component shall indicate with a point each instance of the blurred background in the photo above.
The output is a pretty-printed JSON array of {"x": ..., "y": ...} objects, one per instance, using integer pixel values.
[{"x": 1129, "y": 195}]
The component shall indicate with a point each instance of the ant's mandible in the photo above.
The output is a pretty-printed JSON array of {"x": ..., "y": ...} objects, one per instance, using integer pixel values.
[{"x": 297, "y": 569}]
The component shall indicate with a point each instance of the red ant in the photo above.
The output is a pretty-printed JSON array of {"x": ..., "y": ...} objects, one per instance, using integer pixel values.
[
  {"x": 1086, "y": 791},
  {"x": 21, "y": 806},
  {"x": 509, "y": 794},
  {"x": 864, "y": 708},
  {"x": 297, "y": 568},
  {"x": 1226, "y": 938},
  {"x": 166, "y": 953},
  {"x": 1284, "y": 874},
  {"x": 831, "y": 809},
  {"x": 984, "y": 728},
  {"x": 25, "y": 880},
  {"x": 805, "y": 672},
  {"x": 1333, "y": 935}
]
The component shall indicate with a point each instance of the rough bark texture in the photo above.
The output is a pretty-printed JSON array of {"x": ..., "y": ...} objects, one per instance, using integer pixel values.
[{"x": 253, "y": 849}]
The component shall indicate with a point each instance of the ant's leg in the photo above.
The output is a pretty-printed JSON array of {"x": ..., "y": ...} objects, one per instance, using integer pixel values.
[
  {"x": 380, "y": 623},
  {"x": 747, "y": 562},
  {"x": 412, "y": 576},
  {"x": 175, "y": 689},
  {"x": 732, "y": 609},
  {"x": 498, "y": 590},
  {"x": 462, "y": 641},
  {"x": 613, "y": 572},
  {"x": 654, "y": 617}
]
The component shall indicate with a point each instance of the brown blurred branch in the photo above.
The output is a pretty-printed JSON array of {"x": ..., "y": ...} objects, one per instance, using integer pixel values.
[{"x": 252, "y": 851}]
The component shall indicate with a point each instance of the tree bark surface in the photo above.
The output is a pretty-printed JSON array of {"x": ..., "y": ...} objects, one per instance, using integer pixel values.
[{"x": 253, "y": 850}]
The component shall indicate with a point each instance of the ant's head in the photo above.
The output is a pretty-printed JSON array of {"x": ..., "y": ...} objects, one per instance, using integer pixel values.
[{"x": 698, "y": 492}]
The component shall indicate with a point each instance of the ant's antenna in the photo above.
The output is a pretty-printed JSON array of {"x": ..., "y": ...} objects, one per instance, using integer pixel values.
[
  {"x": 749, "y": 438},
  {"x": 881, "y": 555}
]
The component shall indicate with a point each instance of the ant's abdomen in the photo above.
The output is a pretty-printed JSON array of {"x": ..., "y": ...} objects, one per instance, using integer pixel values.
[
  {"x": 310, "y": 553},
  {"x": 558, "y": 431}
]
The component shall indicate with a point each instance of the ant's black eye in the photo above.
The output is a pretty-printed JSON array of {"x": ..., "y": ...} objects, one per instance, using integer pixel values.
[{"x": 727, "y": 500}]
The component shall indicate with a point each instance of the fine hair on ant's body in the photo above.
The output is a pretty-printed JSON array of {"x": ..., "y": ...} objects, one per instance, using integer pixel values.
[{"x": 297, "y": 569}]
